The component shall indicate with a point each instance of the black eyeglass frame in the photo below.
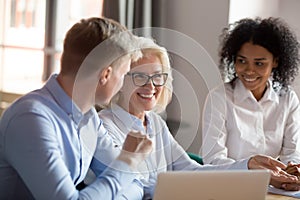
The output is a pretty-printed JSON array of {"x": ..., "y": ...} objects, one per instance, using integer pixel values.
[{"x": 132, "y": 74}]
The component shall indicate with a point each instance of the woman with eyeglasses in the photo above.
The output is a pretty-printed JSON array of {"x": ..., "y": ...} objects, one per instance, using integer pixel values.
[{"x": 146, "y": 91}]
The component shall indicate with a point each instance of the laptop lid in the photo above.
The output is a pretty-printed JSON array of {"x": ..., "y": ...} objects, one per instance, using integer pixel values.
[{"x": 212, "y": 185}]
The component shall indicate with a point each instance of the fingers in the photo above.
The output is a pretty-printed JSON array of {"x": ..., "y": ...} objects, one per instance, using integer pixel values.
[
  {"x": 265, "y": 162},
  {"x": 277, "y": 163},
  {"x": 136, "y": 148},
  {"x": 284, "y": 181},
  {"x": 279, "y": 177},
  {"x": 136, "y": 134},
  {"x": 282, "y": 176},
  {"x": 290, "y": 163},
  {"x": 285, "y": 186},
  {"x": 290, "y": 186},
  {"x": 137, "y": 142},
  {"x": 293, "y": 169}
]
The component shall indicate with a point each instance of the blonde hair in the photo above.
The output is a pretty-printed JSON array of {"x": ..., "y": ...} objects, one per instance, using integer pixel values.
[
  {"x": 132, "y": 51},
  {"x": 149, "y": 48}
]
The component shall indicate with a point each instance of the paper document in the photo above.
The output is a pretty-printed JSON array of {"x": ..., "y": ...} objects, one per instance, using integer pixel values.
[{"x": 295, "y": 194}]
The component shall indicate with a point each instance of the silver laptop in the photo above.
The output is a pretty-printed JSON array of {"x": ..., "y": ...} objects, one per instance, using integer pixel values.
[{"x": 212, "y": 185}]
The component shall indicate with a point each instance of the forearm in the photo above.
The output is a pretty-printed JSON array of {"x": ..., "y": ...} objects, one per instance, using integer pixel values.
[
  {"x": 123, "y": 176},
  {"x": 214, "y": 132},
  {"x": 237, "y": 165},
  {"x": 113, "y": 183}
]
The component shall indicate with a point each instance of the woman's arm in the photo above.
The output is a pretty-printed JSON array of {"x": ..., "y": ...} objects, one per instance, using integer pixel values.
[
  {"x": 291, "y": 141},
  {"x": 214, "y": 133}
]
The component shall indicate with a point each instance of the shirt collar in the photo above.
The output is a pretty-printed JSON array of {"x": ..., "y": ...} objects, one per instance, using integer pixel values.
[
  {"x": 131, "y": 122},
  {"x": 241, "y": 93},
  {"x": 63, "y": 100},
  {"x": 271, "y": 94}
]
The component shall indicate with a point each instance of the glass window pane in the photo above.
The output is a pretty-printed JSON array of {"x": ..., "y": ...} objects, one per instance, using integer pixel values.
[
  {"x": 22, "y": 42},
  {"x": 25, "y": 23},
  {"x": 77, "y": 9},
  {"x": 22, "y": 71},
  {"x": 22, "y": 38}
]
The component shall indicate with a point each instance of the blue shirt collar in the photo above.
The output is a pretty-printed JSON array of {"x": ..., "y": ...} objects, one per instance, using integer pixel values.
[
  {"x": 130, "y": 121},
  {"x": 65, "y": 102}
]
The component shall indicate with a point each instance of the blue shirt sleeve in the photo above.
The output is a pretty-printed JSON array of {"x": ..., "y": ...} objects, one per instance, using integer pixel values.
[
  {"x": 32, "y": 149},
  {"x": 104, "y": 158},
  {"x": 119, "y": 177}
]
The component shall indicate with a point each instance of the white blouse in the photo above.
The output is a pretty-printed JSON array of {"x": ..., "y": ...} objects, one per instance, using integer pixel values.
[{"x": 237, "y": 126}]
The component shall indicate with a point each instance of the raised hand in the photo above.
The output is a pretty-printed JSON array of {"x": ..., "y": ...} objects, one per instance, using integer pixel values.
[{"x": 136, "y": 148}]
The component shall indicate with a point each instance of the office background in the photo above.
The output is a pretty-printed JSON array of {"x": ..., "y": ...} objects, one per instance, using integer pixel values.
[{"x": 32, "y": 32}]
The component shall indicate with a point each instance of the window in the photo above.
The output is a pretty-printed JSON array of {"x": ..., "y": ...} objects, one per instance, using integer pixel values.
[
  {"x": 22, "y": 41},
  {"x": 28, "y": 38},
  {"x": 31, "y": 39}
]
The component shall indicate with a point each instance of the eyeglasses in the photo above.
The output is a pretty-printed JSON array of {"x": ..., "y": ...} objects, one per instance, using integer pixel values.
[{"x": 140, "y": 79}]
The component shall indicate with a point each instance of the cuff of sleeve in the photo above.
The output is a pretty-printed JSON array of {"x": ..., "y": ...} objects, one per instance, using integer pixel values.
[
  {"x": 119, "y": 176},
  {"x": 120, "y": 170},
  {"x": 241, "y": 164}
]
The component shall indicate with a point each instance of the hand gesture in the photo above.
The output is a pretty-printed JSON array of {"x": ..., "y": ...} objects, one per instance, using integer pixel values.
[
  {"x": 136, "y": 148},
  {"x": 279, "y": 177}
]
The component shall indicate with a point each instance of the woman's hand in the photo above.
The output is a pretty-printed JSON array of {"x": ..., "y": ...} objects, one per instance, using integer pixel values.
[
  {"x": 279, "y": 177},
  {"x": 136, "y": 148}
]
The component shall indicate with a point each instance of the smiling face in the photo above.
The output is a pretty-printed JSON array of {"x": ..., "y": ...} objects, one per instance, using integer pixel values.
[
  {"x": 138, "y": 99},
  {"x": 253, "y": 66}
]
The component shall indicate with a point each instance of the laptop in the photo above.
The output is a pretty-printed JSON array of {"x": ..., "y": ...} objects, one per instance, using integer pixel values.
[{"x": 212, "y": 185}]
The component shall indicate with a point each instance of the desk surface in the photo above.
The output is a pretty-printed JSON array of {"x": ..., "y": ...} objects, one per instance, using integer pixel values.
[{"x": 278, "y": 197}]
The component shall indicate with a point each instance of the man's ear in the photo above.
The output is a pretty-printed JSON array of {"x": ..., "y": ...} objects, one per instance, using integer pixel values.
[{"x": 105, "y": 75}]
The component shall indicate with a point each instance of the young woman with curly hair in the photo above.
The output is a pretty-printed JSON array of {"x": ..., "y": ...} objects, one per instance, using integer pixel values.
[{"x": 256, "y": 111}]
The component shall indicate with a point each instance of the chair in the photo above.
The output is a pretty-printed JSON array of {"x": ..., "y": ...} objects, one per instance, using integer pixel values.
[{"x": 195, "y": 157}]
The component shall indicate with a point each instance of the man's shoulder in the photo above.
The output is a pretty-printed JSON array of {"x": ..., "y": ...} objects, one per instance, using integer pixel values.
[{"x": 33, "y": 102}]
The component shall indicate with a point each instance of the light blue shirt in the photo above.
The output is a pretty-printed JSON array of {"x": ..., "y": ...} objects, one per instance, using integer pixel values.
[
  {"x": 167, "y": 154},
  {"x": 47, "y": 145}
]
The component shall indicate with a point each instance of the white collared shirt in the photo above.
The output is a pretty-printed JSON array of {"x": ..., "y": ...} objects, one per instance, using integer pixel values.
[{"x": 237, "y": 126}]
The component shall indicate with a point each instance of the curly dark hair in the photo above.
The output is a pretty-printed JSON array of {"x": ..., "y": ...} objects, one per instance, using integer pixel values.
[{"x": 271, "y": 33}]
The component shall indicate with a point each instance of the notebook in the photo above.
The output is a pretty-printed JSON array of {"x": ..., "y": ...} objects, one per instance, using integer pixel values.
[{"x": 212, "y": 185}]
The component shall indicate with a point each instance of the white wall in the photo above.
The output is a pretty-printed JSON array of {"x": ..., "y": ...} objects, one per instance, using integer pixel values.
[
  {"x": 289, "y": 10},
  {"x": 193, "y": 54},
  {"x": 251, "y": 8}
]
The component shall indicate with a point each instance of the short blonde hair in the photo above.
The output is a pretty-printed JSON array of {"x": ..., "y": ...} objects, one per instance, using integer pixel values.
[{"x": 149, "y": 48}]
